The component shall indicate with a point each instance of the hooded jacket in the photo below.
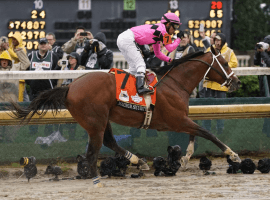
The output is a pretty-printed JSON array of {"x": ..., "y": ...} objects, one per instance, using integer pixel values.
[
  {"x": 229, "y": 56},
  {"x": 64, "y": 82},
  {"x": 104, "y": 55},
  {"x": 9, "y": 89},
  {"x": 13, "y": 55}
]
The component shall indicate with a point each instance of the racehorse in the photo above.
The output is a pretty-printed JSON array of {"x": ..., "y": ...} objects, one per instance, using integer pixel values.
[{"x": 91, "y": 100}]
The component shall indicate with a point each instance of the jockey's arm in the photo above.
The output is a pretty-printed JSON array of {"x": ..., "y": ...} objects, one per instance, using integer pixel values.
[
  {"x": 159, "y": 55},
  {"x": 173, "y": 46}
]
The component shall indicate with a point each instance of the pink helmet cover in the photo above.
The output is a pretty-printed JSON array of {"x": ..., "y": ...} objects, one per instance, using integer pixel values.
[{"x": 170, "y": 17}]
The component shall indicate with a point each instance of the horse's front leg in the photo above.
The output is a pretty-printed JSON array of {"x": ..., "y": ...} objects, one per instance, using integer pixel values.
[{"x": 195, "y": 130}]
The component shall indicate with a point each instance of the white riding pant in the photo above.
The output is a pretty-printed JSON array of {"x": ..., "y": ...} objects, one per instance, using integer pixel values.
[{"x": 127, "y": 46}]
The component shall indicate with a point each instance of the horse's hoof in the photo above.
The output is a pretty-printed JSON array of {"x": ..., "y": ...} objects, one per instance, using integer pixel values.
[
  {"x": 184, "y": 161},
  {"x": 235, "y": 158},
  {"x": 99, "y": 185},
  {"x": 143, "y": 165}
]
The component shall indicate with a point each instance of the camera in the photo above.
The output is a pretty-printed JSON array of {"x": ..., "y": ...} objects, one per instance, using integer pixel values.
[
  {"x": 64, "y": 62},
  {"x": 28, "y": 161},
  {"x": 262, "y": 45},
  {"x": 83, "y": 33}
]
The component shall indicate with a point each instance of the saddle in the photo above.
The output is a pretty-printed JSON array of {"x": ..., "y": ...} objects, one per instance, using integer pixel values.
[{"x": 127, "y": 96}]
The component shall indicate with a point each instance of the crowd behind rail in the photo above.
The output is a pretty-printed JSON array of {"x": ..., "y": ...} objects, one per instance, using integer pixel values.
[{"x": 86, "y": 51}]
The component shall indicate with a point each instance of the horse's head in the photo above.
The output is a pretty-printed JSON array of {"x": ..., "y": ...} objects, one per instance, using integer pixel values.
[{"x": 220, "y": 72}]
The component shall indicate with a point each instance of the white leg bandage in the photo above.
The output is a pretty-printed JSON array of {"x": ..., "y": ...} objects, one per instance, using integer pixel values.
[
  {"x": 132, "y": 158},
  {"x": 97, "y": 182}
]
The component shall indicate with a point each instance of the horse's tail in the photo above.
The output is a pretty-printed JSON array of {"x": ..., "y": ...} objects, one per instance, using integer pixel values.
[{"x": 53, "y": 99}]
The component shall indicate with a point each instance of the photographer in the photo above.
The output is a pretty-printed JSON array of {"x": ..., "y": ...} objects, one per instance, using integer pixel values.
[
  {"x": 262, "y": 58},
  {"x": 4, "y": 45},
  {"x": 77, "y": 43},
  {"x": 54, "y": 46},
  {"x": 72, "y": 63},
  {"x": 96, "y": 55}
]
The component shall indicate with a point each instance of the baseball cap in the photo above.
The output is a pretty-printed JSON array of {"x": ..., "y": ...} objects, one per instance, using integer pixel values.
[
  {"x": 218, "y": 37},
  {"x": 74, "y": 55},
  {"x": 42, "y": 40}
]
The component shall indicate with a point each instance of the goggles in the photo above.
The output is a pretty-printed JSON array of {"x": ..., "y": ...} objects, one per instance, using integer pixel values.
[{"x": 175, "y": 26}]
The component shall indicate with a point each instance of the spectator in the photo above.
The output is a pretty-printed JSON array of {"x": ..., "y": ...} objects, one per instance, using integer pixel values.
[
  {"x": 72, "y": 64},
  {"x": 96, "y": 55},
  {"x": 16, "y": 41},
  {"x": 10, "y": 88},
  {"x": 3, "y": 44},
  {"x": 42, "y": 59},
  {"x": 152, "y": 61},
  {"x": 212, "y": 89},
  {"x": 184, "y": 47},
  {"x": 77, "y": 43},
  {"x": 262, "y": 58},
  {"x": 191, "y": 40},
  {"x": 207, "y": 41},
  {"x": 53, "y": 45}
]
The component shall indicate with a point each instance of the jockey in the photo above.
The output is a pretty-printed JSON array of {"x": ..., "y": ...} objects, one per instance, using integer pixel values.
[{"x": 148, "y": 34}]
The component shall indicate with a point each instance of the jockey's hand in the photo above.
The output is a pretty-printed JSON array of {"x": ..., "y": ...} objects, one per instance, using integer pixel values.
[
  {"x": 180, "y": 34},
  {"x": 170, "y": 61}
]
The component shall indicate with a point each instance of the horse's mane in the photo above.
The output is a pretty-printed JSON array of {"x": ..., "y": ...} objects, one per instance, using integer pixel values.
[{"x": 163, "y": 70}]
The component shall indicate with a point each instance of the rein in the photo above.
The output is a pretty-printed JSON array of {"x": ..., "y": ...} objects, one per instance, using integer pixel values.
[{"x": 163, "y": 76}]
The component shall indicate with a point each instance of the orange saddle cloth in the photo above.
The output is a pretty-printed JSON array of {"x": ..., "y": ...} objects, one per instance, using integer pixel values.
[{"x": 126, "y": 93}]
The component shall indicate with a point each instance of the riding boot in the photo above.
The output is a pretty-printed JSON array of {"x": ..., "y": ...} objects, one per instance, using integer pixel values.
[{"x": 140, "y": 85}]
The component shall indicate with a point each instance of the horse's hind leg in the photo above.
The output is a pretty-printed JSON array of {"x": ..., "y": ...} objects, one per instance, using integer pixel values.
[
  {"x": 95, "y": 143},
  {"x": 110, "y": 142}
]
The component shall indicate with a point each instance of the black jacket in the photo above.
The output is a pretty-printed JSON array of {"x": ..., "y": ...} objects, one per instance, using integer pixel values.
[
  {"x": 262, "y": 59},
  {"x": 104, "y": 56},
  {"x": 40, "y": 85},
  {"x": 152, "y": 61},
  {"x": 57, "y": 50}
]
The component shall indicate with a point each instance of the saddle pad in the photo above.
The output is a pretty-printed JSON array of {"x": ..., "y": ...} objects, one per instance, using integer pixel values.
[{"x": 126, "y": 93}]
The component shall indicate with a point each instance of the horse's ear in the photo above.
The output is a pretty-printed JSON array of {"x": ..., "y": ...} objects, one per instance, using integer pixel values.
[{"x": 213, "y": 50}]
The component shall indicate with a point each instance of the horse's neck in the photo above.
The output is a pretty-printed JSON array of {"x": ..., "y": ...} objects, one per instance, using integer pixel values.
[{"x": 189, "y": 74}]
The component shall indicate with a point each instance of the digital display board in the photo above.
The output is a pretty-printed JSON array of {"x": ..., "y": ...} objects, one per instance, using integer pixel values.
[
  {"x": 214, "y": 15},
  {"x": 30, "y": 29},
  {"x": 213, "y": 23},
  {"x": 34, "y": 18}
]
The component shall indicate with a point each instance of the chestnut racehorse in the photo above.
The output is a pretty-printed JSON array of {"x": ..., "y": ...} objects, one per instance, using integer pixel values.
[{"x": 91, "y": 101}]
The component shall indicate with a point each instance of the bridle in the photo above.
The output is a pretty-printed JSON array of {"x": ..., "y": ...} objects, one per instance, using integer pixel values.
[{"x": 225, "y": 76}]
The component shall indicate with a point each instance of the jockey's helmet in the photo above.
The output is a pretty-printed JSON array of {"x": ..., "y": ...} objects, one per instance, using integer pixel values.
[{"x": 170, "y": 17}]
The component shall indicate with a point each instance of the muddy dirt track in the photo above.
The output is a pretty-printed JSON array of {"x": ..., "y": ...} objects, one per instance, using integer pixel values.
[{"x": 189, "y": 184}]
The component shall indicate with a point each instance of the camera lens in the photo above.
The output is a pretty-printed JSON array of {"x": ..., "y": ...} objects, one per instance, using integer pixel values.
[{"x": 25, "y": 160}]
